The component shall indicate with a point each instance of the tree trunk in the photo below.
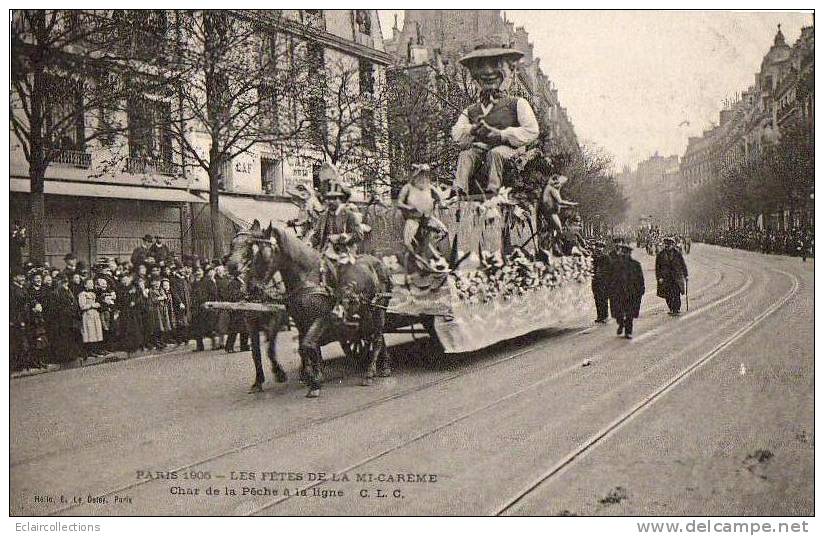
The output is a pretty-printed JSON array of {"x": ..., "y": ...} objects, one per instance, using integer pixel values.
[
  {"x": 214, "y": 212},
  {"x": 37, "y": 227}
]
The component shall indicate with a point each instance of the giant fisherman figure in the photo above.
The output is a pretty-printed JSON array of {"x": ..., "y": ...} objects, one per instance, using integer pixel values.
[{"x": 490, "y": 130}]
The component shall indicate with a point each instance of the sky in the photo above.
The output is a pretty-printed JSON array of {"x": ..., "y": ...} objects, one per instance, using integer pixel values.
[{"x": 639, "y": 82}]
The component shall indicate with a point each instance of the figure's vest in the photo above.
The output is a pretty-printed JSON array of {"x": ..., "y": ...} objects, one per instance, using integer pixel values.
[{"x": 504, "y": 114}]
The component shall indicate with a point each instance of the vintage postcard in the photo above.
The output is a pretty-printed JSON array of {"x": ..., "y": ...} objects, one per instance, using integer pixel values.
[{"x": 456, "y": 262}]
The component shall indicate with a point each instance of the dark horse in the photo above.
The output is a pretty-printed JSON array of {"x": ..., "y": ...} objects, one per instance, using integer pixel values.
[
  {"x": 314, "y": 287},
  {"x": 270, "y": 323}
]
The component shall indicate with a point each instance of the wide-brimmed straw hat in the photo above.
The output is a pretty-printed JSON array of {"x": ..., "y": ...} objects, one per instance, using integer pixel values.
[{"x": 484, "y": 51}]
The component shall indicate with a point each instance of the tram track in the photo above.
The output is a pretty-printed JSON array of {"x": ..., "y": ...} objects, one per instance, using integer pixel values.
[
  {"x": 646, "y": 402},
  {"x": 719, "y": 278},
  {"x": 576, "y": 366}
]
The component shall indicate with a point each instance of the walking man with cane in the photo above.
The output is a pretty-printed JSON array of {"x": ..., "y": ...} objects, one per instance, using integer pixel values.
[{"x": 671, "y": 273}]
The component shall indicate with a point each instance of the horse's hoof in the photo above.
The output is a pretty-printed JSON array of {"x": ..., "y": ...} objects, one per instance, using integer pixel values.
[
  {"x": 280, "y": 376},
  {"x": 313, "y": 393},
  {"x": 367, "y": 382},
  {"x": 256, "y": 388}
]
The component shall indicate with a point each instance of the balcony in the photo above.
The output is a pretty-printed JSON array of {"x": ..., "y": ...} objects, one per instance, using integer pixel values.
[
  {"x": 151, "y": 166},
  {"x": 71, "y": 159}
]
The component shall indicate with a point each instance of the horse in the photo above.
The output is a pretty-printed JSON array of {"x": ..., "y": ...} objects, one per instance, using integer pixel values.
[
  {"x": 257, "y": 321},
  {"x": 316, "y": 288}
]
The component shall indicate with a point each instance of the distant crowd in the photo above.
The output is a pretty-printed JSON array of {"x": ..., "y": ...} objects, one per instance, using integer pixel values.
[
  {"x": 146, "y": 302},
  {"x": 798, "y": 242}
]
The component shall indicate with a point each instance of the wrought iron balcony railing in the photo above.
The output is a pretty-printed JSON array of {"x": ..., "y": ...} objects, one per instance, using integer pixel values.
[
  {"x": 151, "y": 166},
  {"x": 69, "y": 158}
]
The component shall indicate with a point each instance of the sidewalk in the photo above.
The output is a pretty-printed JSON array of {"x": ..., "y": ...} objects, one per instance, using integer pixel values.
[{"x": 109, "y": 358}]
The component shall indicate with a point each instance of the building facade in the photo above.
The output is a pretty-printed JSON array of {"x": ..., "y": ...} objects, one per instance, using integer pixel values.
[
  {"x": 103, "y": 193},
  {"x": 780, "y": 100}
]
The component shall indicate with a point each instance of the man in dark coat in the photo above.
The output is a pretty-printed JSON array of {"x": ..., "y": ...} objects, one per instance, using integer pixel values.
[
  {"x": 600, "y": 281},
  {"x": 182, "y": 303},
  {"x": 71, "y": 265},
  {"x": 236, "y": 292},
  {"x": 204, "y": 289},
  {"x": 18, "y": 320},
  {"x": 671, "y": 273},
  {"x": 627, "y": 289},
  {"x": 140, "y": 253},
  {"x": 159, "y": 251},
  {"x": 63, "y": 323}
]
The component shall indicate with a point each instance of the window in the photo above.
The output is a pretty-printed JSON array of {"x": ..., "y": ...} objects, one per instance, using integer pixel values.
[
  {"x": 142, "y": 33},
  {"x": 316, "y": 92},
  {"x": 64, "y": 118},
  {"x": 268, "y": 97},
  {"x": 363, "y": 22},
  {"x": 269, "y": 175},
  {"x": 150, "y": 139},
  {"x": 366, "y": 84},
  {"x": 313, "y": 18}
]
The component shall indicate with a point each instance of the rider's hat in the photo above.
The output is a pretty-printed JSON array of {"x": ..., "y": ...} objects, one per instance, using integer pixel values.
[
  {"x": 485, "y": 51},
  {"x": 336, "y": 190},
  {"x": 669, "y": 240},
  {"x": 421, "y": 169}
]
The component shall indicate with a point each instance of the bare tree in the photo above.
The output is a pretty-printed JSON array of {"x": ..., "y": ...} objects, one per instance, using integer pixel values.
[
  {"x": 231, "y": 80},
  {"x": 345, "y": 102}
]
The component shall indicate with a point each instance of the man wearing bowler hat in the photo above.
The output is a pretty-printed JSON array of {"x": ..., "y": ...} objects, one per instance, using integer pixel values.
[
  {"x": 671, "y": 273},
  {"x": 626, "y": 288},
  {"x": 601, "y": 264},
  {"x": 489, "y": 131},
  {"x": 140, "y": 253}
]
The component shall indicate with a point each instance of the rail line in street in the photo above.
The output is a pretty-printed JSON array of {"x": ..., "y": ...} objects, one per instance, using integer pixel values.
[
  {"x": 575, "y": 365},
  {"x": 498, "y": 401},
  {"x": 647, "y": 401}
]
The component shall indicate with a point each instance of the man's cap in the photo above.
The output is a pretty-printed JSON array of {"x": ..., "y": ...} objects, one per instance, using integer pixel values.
[
  {"x": 69, "y": 256},
  {"x": 485, "y": 51},
  {"x": 669, "y": 240},
  {"x": 148, "y": 237}
]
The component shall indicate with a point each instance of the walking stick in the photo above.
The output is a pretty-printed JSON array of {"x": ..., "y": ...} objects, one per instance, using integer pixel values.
[{"x": 687, "y": 292}]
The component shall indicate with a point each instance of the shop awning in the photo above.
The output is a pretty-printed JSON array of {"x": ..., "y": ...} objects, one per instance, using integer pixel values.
[
  {"x": 244, "y": 210},
  {"x": 116, "y": 191}
]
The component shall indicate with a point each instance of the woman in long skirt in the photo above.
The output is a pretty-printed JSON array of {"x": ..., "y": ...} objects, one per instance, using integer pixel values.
[
  {"x": 159, "y": 314},
  {"x": 90, "y": 327}
]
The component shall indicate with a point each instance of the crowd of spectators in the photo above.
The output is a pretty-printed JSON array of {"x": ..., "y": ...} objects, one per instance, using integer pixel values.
[
  {"x": 798, "y": 242},
  {"x": 147, "y": 302}
]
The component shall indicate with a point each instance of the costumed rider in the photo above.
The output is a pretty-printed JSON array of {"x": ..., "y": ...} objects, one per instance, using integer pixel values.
[
  {"x": 489, "y": 131},
  {"x": 417, "y": 200},
  {"x": 340, "y": 226}
]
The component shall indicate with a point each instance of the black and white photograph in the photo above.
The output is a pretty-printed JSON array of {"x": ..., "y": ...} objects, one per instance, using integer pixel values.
[{"x": 412, "y": 262}]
